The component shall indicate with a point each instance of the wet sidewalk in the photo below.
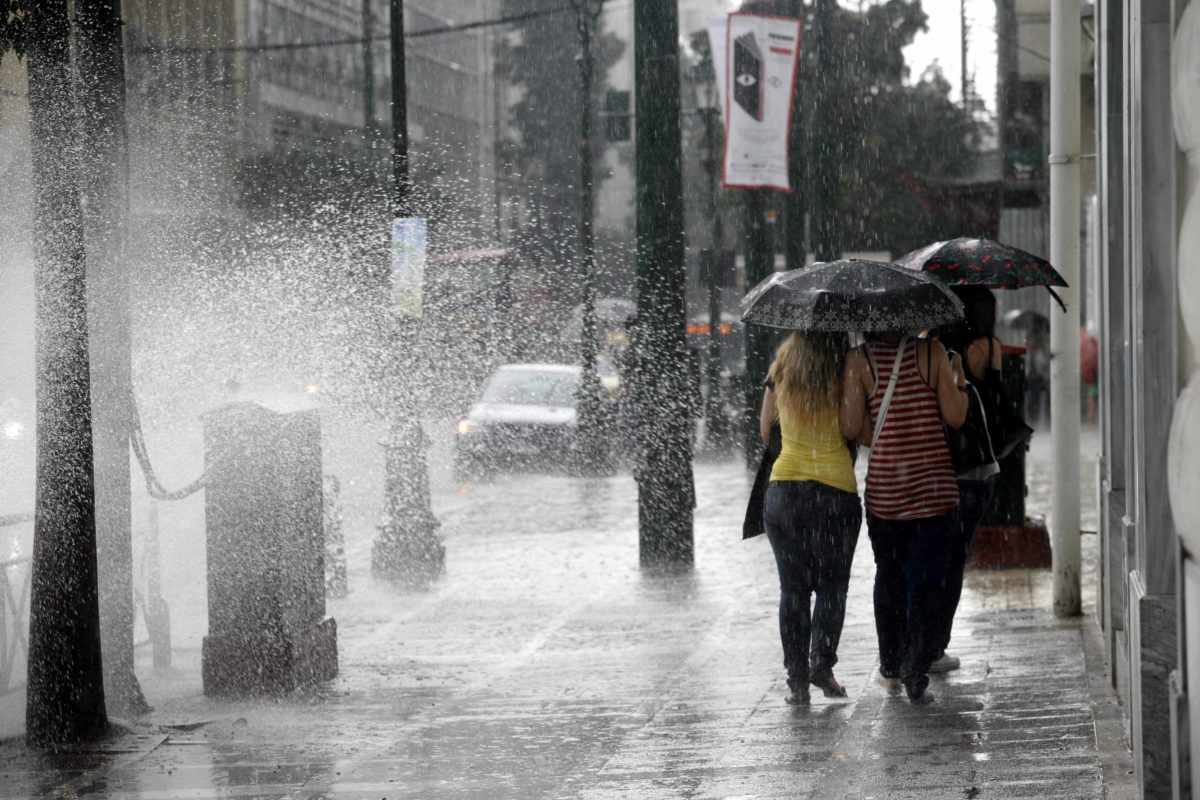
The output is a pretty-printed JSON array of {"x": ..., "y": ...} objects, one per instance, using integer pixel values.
[{"x": 546, "y": 664}]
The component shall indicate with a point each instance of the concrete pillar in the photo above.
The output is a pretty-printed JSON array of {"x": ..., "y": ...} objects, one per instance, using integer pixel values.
[
  {"x": 1183, "y": 467},
  {"x": 1065, "y": 47}
]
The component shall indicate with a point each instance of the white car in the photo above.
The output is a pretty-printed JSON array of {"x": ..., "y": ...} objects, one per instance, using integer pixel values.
[{"x": 525, "y": 417}]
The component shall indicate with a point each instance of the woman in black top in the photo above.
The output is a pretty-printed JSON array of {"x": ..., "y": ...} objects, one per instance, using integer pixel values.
[{"x": 974, "y": 338}]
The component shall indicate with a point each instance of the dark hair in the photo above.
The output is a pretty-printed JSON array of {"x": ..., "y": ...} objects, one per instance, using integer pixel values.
[{"x": 979, "y": 318}]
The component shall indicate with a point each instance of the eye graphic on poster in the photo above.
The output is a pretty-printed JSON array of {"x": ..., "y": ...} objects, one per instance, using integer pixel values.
[{"x": 747, "y": 70}]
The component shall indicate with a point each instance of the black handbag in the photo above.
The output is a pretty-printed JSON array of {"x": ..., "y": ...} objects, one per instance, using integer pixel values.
[
  {"x": 993, "y": 427},
  {"x": 1008, "y": 428},
  {"x": 970, "y": 444},
  {"x": 752, "y": 525}
]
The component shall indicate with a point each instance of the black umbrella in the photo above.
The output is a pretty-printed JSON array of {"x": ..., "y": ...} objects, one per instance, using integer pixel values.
[{"x": 851, "y": 295}]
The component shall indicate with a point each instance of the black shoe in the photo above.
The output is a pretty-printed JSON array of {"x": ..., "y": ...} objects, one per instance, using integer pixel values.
[
  {"x": 922, "y": 698},
  {"x": 798, "y": 697}
]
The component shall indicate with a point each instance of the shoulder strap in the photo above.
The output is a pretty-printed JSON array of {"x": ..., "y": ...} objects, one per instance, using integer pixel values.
[
  {"x": 891, "y": 388},
  {"x": 929, "y": 363}
]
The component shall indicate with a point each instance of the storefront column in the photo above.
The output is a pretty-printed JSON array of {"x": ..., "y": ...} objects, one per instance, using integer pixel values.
[
  {"x": 1183, "y": 463},
  {"x": 1152, "y": 600}
]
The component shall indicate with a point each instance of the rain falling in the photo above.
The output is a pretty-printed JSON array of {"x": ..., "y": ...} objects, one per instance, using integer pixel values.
[{"x": 383, "y": 385}]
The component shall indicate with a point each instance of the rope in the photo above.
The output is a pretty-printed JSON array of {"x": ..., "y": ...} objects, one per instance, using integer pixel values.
[{"x": 153, "y": 486}]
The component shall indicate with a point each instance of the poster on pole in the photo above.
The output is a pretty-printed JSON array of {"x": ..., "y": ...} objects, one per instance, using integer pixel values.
[
  {"x": 756, "y": 57},
  {"x": 408, "y": 265}
]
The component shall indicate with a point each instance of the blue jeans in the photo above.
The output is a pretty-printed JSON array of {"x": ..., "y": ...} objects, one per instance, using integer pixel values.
[
  {"x": 813, "y": 529},
  {"x": 911, "y": 557},
  {"x": 974, "y": 497}
]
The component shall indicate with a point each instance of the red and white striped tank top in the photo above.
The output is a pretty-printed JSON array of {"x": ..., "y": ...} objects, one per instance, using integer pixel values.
[{"x": 910, "y": 475}]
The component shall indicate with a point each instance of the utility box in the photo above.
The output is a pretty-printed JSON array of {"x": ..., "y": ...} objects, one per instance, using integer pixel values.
[{"x": 267, "y": 631}]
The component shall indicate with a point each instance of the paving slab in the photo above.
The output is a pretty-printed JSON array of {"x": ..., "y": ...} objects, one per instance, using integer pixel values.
[{"x": 547, "y": 664}]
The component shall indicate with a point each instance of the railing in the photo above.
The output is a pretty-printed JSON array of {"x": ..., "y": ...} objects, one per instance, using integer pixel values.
[
  {"x": 14, "y": 620},
  {"x": 14, "y": 609}
]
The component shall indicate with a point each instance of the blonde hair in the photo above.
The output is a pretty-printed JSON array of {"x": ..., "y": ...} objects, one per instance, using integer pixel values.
[{"x": 807, "y": 371}]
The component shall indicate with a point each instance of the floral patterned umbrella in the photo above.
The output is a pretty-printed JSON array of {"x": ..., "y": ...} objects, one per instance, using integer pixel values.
[
  {"x": 983, "y": 262},
  {"x": 850, "y": 295}
]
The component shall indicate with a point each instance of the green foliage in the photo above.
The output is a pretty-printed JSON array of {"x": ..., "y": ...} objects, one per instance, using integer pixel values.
[
  {"x": 541, "y": 62},
  {"x": 890, "y": 137},
  {"x": 12, "y": 27}
]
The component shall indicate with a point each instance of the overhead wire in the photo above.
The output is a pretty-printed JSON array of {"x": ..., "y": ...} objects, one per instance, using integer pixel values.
[{"x": 261, "y": 47}]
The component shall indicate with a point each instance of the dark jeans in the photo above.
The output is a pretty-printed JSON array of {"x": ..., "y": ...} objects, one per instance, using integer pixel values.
[
  {"x": 813, "y": 530},
  {"x": 910, "y": 573},
  {"x": 974, "y": 497}
]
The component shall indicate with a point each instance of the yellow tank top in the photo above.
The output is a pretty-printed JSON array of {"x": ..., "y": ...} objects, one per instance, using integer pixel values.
[{"x": 814, "y": 450}]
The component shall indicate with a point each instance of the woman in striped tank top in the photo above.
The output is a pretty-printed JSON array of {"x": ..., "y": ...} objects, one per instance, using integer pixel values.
[{"x": 911, "y": 494}]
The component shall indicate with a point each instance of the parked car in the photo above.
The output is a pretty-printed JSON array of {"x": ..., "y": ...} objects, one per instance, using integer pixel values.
[{"x": 525, "y": 417}]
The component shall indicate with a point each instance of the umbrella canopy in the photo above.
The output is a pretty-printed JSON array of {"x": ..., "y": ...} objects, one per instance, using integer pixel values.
[
  {"x": 983, "y": 262},
  {"x": 850, "y": 295},
  {"x": 1024, "y": 319}
]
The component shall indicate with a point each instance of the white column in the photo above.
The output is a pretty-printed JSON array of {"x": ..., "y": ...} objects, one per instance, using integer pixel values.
[
  {"x": 1183, "y": 463},
  {"x": 1065, "y": 45}
]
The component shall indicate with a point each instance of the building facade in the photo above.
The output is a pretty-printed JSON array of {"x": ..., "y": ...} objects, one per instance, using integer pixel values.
[
  {"x": 1148, "y": 175},
  {"x": 268, "y": 91}
]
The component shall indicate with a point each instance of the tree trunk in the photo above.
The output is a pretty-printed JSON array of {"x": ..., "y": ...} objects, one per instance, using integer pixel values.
[
  {"x": 666, "y": 492},
  {"x": 101, "y": 91},
  {"x": 65, "y": 696}
]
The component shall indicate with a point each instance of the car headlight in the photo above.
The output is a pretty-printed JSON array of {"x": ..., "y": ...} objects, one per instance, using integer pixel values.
[{"x": 463, "y": 427}]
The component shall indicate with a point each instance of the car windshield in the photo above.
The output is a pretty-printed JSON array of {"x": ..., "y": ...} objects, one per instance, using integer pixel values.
[{"x": 531, "y": 388}]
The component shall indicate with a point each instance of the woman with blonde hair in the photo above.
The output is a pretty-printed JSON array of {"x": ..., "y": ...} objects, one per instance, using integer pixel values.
[{"x": 812, "y": 512}]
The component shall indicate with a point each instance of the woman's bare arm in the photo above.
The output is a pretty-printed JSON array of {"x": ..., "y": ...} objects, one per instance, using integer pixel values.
[
  {"x": 767, "y": 415},
  {"x": 948, "y": 382},
  {"x": 854, "y": 418}
]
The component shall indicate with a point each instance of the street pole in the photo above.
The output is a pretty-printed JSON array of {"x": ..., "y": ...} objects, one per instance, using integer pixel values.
[
  {"x": 759, "y": 260},
  {"x": 963, "y": 31},
  {"x": 1064, "y": 328},
  {"x": 592, "y": 444},
  {"x": 101, "y": 97},
  {"x": 64, "y": 700},
  {"x": 716, "y": 424},
  {"x": 795, "y": 243},
  {"x": 824, "y": 157},
  {"x": 666, "y": 492},
  {"x": 408, "y": 548},
  {"x": 368, "y": 25},
  {"x": 401, "y": 186}
]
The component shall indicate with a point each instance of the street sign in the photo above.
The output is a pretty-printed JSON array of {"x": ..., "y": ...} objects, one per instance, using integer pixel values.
[{"x": 409, "y": 241}]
